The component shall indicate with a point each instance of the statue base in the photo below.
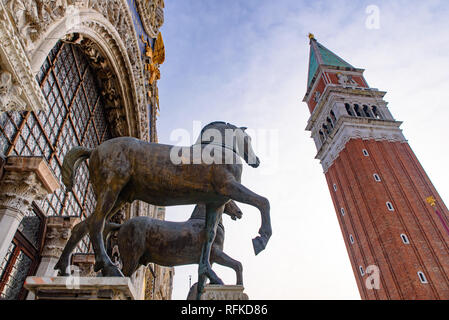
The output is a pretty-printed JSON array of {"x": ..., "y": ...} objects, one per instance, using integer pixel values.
[
  {"x": 223, "y": 292},
  {"x": 81, "y": 288}
]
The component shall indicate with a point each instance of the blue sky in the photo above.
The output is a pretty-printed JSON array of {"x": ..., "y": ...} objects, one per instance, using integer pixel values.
[{"x": 245, "y": 62}]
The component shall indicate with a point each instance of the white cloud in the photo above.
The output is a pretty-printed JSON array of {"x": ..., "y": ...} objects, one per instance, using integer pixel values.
[{"x": 247, "y": 64}]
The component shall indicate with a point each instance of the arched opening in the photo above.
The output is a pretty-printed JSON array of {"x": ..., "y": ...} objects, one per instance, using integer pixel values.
[
  {"x": 330, "y": 123},
  {"x": 322, "y": 136},
  {"x": 376, "y": 112},
  {"x": 349, "y": 109},
  {"x": 367, "y": 111},
  {"x": 76, "y": 116},
  {"x": 357, "y": 110},
  {"x": 333, "y": 117}
]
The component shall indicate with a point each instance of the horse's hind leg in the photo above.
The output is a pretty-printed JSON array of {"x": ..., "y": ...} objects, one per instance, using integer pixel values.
[
  {"x": 213, "y": 214},
  {"x": 223, "y": 259},
  {"x": 78, "y": 232},
  {"x": 105, "y": 204}
]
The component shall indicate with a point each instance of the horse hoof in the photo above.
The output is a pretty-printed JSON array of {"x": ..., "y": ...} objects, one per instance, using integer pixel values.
[
  {"x": 62, "y": 270},
  {"x": 111, "y": 271},
  {"x": 259, "y": 245},
  {"x": 216, "y": 281},
  {"x": 98, "y": 266}
]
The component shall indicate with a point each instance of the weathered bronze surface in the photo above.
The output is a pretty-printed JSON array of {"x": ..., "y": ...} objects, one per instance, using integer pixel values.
[
  {"x": 126, "y": 169},
  {"x": 144, "y": 240}
]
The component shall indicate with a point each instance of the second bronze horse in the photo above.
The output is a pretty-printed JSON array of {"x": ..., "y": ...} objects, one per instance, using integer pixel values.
[{"x": 144, "y": 240}]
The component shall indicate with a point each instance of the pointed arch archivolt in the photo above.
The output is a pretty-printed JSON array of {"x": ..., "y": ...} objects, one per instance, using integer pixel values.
[{"x": 105, "y": 31}]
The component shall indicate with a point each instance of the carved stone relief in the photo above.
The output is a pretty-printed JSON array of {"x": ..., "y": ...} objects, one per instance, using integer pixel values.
[
  {"x": 10, "y": 93},
  {"x": 109, "y": 86},
  {"x": 58, "y": 233},
  {"x": 344, "y": 79},
  {"x": 20, "y": 88},
  {"x": 152, "y": 15}
]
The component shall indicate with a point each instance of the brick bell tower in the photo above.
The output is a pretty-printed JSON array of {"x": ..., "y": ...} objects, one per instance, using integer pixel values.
[{"x": 394, "y": 223}]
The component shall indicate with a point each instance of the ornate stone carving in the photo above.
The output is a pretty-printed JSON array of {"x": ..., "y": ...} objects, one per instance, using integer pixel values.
[
  {"x": 10, "y": 93},
  {"x": 110, "y": 88},
  {"x": 152, "y": 15},
  {"x": 117, "y": 12},
  {"x": 163, "y": 283},
  {"x": 153, "y": 59},
  {"x": 25, "y": 180},
  {"x": 346, "y": 80},
  {"x": 58, "y": 233},
  {"x": 317, "y": 96},
  {"x": 85, "y": 263},
  {"x": 18, "y": 191},
  {"x": 32, "y": 17},
  {"x": 16, "y": 63}
]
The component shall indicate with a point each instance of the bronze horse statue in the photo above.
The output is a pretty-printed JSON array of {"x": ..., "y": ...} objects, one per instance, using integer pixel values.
[
  {"x": 144, "y": 240},
  {"x": 125, "y": 169}
]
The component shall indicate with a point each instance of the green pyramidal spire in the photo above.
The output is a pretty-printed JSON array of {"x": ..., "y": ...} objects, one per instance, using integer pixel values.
[{"x": 320, "y": 55}]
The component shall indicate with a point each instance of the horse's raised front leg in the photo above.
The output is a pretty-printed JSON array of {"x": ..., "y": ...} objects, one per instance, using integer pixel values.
[
  {"x": 223, "y": 259},
  {"x": 240, "y": 193},
  {"x": 213, "y": 214}
]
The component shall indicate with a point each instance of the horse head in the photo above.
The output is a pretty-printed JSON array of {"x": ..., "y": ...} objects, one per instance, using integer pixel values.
[
  {"x": 231, "y": 137},
  {"x": 233, "y": 210}
]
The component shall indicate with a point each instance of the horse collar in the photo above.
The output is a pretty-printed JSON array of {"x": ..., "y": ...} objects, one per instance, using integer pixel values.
[{"x": 216, "y": 144}]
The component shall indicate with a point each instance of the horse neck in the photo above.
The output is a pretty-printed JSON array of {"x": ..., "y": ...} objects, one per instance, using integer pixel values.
[
  {"x": 226, "y": 142},
  {"x": 200, "y": 213}
]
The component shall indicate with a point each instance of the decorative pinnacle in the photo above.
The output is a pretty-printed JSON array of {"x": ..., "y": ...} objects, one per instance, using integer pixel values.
[
  {"x": 431, "y": 200},
  {"x": 311, "y": 36}
]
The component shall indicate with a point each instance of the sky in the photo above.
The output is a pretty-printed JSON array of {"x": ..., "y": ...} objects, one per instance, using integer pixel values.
[{"x": 246, "y": 62}]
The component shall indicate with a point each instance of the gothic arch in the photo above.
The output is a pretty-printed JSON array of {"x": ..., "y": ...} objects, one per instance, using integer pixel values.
[{"x": 105, "y": 31}]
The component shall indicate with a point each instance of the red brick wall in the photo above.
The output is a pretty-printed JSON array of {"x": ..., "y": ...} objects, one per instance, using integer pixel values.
[
  {"x": 320, "y": 87},
  {"x": 376, "y": 230}
]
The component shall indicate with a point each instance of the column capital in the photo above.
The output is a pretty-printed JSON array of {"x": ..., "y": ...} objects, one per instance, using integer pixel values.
[
  {"x": 58, "y": 233},
  {"x": 85, "y": 263},
  {"x": 25, "y": 179}
]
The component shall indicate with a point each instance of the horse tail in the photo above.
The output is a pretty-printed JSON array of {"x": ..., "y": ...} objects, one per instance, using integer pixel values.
[{"x": 72, "y": 160}]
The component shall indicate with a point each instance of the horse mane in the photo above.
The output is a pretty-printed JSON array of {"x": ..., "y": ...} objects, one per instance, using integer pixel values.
[
  {"x": 199, "y": 212},
  {"x": 213, "y": 124}
]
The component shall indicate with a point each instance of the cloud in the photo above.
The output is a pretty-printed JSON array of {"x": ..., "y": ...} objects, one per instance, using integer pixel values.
[{"x": 246, "y": 62}]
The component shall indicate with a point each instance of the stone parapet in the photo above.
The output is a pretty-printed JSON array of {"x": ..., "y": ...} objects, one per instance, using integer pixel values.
[
  {"x": 81, "y": 288},
  {"x": 220, "y": 292}
]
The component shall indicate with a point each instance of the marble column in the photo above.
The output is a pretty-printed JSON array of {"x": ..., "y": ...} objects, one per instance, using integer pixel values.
[
  {"x": 25, "y": 179},
  {"x": 58, "y": 233}
]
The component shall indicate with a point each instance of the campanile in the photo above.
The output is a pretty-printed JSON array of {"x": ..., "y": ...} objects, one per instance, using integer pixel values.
[{"x": 394, "y": 223}]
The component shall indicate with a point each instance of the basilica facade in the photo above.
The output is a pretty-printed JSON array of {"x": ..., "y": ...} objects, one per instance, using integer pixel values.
[{"x": 72, "y": 73}]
